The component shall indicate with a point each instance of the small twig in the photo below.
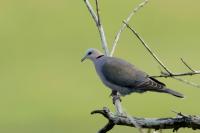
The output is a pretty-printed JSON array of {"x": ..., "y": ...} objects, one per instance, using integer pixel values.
[
  {"x": 101, "y": 31},
  {"x": 166, "y": 75},
  {"x": 175, "y": 76},
  {"x": 187, "y": 82},
  {"x": 96, "y": 18},
  {"x": 187, "y": 65},
  {"x": 148, "y": 48},
  {"x": 123, "y": 26},
  {"x": 97, "y": 10},
  {"x": 175, "y": 112},
  {"x": 90, "y": 9}
]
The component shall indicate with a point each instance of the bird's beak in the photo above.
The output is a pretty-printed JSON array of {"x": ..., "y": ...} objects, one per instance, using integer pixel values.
[{"x": 83, "y": 58}]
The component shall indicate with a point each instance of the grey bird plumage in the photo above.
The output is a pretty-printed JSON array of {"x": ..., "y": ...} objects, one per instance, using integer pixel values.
[{"x": 123, "y": 77}]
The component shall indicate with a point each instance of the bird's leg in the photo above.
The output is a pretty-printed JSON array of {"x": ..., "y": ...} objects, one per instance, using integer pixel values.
[
  {"x": 115, "y": 96},
  {"x": 117, "y": 102}
]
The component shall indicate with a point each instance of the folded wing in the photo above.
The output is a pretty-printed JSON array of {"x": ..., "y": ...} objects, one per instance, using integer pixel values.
[{"x": 124, "y": 74}]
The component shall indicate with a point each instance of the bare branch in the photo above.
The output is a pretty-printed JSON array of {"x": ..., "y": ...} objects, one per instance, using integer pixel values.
[
  {"x": 148, "y": 48},
  {"x": 123, "y": 26},
  {"x": 180, "y": 121},
  {"x": 96, "y": 18}
]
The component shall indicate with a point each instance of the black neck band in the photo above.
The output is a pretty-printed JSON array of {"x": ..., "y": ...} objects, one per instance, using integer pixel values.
[{"x": 99, "y": 56}]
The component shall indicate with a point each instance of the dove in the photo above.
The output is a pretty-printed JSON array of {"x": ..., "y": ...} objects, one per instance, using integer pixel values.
[{"x": 123, "y": 77}]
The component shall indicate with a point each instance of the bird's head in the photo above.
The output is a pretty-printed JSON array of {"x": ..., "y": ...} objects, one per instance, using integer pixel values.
[{"x": 91, "y": 54}]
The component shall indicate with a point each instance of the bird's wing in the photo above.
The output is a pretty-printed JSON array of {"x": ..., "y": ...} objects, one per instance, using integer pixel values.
[
  {"x": 124, "y": 74},
  {"x": 151, "y": 84}
]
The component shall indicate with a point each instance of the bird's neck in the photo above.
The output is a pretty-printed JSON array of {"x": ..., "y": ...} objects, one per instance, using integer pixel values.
[{"x": 98, "y": 59}]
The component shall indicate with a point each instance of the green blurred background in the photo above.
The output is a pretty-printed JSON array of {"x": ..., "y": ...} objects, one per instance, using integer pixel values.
[{"x": 45, "y": 89}]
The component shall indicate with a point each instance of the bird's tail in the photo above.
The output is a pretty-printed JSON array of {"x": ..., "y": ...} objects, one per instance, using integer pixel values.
[{"x": 172, "y": 92}]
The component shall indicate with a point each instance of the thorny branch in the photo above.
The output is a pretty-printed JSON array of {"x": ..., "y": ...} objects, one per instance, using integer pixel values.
[{"x": 174, "y": 123}]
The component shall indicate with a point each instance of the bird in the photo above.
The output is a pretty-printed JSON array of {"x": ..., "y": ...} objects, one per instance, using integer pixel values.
[{"x": 123, "y": 77}]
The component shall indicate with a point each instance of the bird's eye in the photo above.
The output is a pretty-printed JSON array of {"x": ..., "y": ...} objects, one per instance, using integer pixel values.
[{"x": 89, "y": 53}]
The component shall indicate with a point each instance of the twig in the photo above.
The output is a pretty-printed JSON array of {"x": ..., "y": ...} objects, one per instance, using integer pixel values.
[
  {"x": 187, "y": 82},
  {"x": 97, "y": 10},
  {"x": 187, "y": 65},
  {"x": 99, "y": 25},
  {"x": 175, "y": 76},
  {"x": 123, "y": 26},
  {"x": 166, "y": 75},
  {"x": 180, "y": 121},
  {"x": 90, "y": 9},
  {"x": 148, "y": 48}
]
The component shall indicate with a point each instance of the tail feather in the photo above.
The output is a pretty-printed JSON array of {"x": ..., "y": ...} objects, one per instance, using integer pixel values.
[{"x": 172, "y": 92}]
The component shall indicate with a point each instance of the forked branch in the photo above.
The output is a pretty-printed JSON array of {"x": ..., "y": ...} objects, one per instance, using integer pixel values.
[
  {"x": 97, "y": 20},
  {"x": 174, "y": 123}
]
